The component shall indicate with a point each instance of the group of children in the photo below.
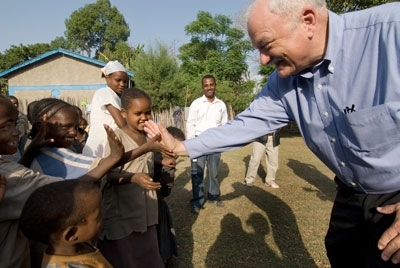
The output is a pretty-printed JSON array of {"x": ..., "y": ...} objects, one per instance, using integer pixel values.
[{"x": 68, "y": 202}]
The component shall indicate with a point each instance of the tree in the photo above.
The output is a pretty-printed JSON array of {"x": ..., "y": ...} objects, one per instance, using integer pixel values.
[
  {"x": 158, "y": 73},
  {"x": 124, "y": 53},
  {"x": 19, "y": 54},
  {"x": 217, "y": 48},
  {"x": 340, "y": 6},
  {"x": 96, "y": 27}
]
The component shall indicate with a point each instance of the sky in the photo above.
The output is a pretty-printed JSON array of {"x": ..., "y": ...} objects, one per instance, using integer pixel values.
[{"x": 40, "y": 21}]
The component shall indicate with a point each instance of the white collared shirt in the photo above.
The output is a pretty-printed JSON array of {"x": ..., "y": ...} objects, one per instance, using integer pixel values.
[{"x": 204, "y": 114}]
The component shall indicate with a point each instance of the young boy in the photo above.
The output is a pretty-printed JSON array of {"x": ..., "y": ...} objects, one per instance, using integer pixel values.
[
  {"x": 66, "y": 216},
  {"x": 21, "y": 182}
]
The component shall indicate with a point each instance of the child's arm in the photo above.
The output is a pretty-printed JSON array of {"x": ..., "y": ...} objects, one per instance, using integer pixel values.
[
  {"x": 116, "y": 115},
  {"x": 141, "y": 179},
  {"x": 38, "y": 142},
  {"x": 152, "y": 145},
  {"x": 106, "y": 163}
]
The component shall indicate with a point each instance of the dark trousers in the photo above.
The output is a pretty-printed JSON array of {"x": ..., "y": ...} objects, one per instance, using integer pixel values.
[{"x": 355, "y": 228}]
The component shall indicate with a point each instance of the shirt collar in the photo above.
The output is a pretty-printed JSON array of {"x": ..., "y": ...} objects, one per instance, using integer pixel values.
[{"x": 335, "y": 37}]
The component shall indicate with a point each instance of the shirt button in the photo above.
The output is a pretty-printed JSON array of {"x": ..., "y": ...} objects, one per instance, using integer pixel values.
[
  {"x": 342, "y": 164},
  {"x": 333, "y": 140},
  {"x": 331, "y": 69},
  {"x": 326, "y": 114},
  {"x": 353, "y": 184},
  {"x": 319, "y": 86}
]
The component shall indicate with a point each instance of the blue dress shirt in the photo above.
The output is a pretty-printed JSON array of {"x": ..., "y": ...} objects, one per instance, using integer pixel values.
[{"x": 347, "y": 107}]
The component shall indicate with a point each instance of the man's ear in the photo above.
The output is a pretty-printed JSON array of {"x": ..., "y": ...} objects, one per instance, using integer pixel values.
[
  {"x": 309, "y": 20},
  {"x": 70, "y": 233}
]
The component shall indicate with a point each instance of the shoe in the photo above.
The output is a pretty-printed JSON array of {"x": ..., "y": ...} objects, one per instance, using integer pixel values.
[
  {"x": 195, "y": 210},
  {"x": 218, "y": 203},
  {"x": 272, "y": 184},
  {"x": 248, "y": 184}
]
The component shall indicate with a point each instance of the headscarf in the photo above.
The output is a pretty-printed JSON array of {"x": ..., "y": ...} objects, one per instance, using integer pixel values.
[{"x": 112, "y": 67}]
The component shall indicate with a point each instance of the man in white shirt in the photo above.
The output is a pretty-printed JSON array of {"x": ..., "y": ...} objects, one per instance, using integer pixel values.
[{"x": 205, "y": 112}]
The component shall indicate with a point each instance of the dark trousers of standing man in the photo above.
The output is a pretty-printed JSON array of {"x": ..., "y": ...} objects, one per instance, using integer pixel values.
[
  {"x": 197, "y": 171},
  {"x": 355, "y": 228}
]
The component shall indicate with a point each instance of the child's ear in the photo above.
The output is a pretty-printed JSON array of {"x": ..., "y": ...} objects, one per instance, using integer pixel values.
[
  {"x": 70, "y": 233},
  {"x": 123, "y": 113}
]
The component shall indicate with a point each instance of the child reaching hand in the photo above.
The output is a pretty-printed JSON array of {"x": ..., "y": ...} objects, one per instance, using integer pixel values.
[
  {"x": 65, "y": 216},
  {"x": 129, "y": 236}
]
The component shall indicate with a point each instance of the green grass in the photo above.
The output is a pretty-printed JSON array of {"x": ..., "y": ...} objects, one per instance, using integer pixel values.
[{"x": 259, "y": 226}]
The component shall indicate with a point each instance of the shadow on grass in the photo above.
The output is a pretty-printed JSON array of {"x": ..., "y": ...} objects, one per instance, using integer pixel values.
[
  {"x": 183, "y": 219},
  {"x": 235, "y": 246},
  {"x": 325, "y": 186}
]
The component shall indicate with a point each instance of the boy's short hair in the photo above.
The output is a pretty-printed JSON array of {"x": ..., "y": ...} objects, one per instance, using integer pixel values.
[{"x": 53, "y": 207}]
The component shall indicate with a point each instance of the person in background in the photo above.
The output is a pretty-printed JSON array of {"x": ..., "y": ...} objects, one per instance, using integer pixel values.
[
  {"x": 338, "y": 78},
  {"x": 65, "y": 216},
  {"x": 23, "y": 122},
  {"x": 205, "y": 112},
  {"x": 177, "y": 116},
  {"x": 26, "y": 139},
  {"x": 105, "y": 108},
  {"x": 81, "y": 134},
  {"x": 23, "y": 127},
  {"x": 268, "y": 144}
]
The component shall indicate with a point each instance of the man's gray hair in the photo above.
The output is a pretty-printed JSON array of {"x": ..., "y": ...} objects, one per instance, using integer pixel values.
[{"x": 291, "y": 7}]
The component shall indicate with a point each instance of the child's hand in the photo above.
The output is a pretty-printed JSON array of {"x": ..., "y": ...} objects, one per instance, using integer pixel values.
[
  {"x": 116, "y": 147},
  {"x": 168, "y": 162},
  {"x": 144, "y": 181},
  {"x": 3, "y": 185},
  {"x": 40, "y": 141}
]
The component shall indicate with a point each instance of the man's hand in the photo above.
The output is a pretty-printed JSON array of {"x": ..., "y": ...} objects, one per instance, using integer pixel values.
[
  {"x": 167, "y": 140},
  {"x": 390, "y": 239}
]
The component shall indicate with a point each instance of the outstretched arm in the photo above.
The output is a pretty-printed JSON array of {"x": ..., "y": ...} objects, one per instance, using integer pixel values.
[
  {"x": 171, "y": 144},
  {"x": 152, "y": 145},
  {"x": 105, "y": 164}
]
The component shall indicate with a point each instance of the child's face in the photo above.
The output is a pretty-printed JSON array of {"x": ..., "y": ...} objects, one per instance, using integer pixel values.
[
  {"x": 138, "y": 112},
  {"x": 63, "y": 127},
  {"x": 117, "y": 81},
  {"x": 90, "y": 227},
  {"x": 9, "y": 133}
]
